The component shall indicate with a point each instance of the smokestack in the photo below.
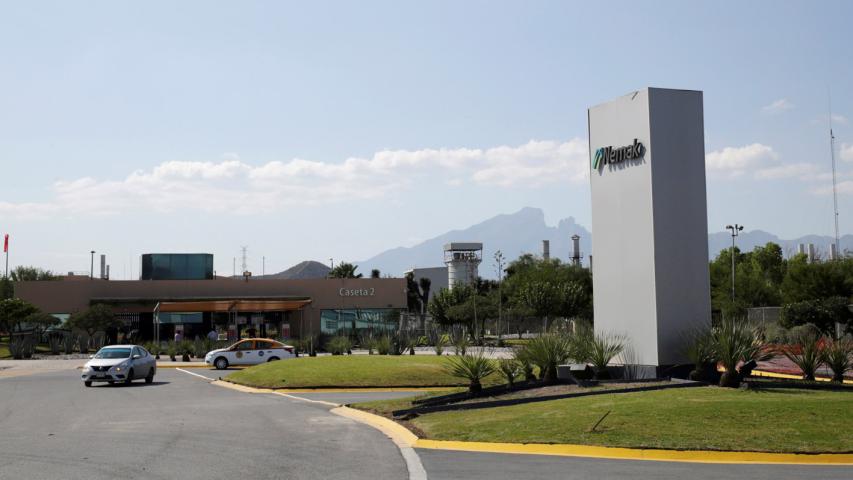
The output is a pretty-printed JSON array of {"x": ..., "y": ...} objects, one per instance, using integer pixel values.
[
  {"x": 811, "y": 252},
  {"x": 546, "y": 249},
  {"x": 833, "y": 252},
  {"x": 108, "y": 272},
  {"x": 801, "y": 248},
  {"x": 576, "y": 250},
  {"x": 103, "y": 266}
]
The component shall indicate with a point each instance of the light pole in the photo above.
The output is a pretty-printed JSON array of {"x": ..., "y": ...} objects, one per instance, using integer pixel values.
[
  {"x": 499, "y": 260},
  {"x": 735, "y": 229},
  {"x": 92, "y": 266}
]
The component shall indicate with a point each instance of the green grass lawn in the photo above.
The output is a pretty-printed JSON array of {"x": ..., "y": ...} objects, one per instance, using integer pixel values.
[
  {"x": 351, "y": 371},
  {"x": 706, "y": 418}
]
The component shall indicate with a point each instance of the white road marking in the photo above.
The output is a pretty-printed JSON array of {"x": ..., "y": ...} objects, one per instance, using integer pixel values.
[
  {"x": 321, "y": 402},
  {"x": 195, "y": 374}
]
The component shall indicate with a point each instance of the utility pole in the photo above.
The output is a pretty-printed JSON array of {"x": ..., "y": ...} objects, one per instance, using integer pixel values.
[
  {"x": 263, "y": 266},
  {"x": 736, "y": 229},
  {"x": 499, "y": 260}
]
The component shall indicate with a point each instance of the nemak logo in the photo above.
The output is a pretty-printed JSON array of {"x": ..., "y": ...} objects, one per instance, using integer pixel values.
[{"x": 608, "y": 155}]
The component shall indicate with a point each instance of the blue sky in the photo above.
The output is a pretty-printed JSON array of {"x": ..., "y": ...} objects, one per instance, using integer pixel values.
[{"x": 340, "y": 129}]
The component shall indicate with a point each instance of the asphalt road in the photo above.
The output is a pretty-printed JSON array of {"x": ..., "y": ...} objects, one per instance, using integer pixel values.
[{"x": 51, "y": 427}]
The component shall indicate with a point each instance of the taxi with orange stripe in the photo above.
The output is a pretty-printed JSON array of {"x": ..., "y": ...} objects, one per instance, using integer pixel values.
[{"x": 251, "y": 351}]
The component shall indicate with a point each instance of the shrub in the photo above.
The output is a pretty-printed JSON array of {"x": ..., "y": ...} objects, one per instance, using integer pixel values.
[
  {"x": 55, "y": 342},
  {"x": 509, "y": 369},
  {"x": 525, "y": 364},
  {"x": 383, "y": 345},
  {"x": 700, "y": 351},
  {"x": 805, "y": 353},
  {"x": 440, "y": 343},
  {"x": 338, "y": 345},
  {"x": 736, "y": 341},
  {"x": 411, "y": 343},
  {"x": 603, "y": 348},
  {"x": 16, "y": 347},
  {"x": 473, "y": 368},
  {"x": 368, "y": 341},
  {"x": 199, "y": 348},
  {"x": 461, "y": 343},
  {"x": 546, "y": 352},
  {"x": 171, "y": 350},
  {"x": 185, "y": 348},
  {"x": 83, "y": 343},
  {"x": 837, "y": 355},
  {"x": 68, "y": 343}
]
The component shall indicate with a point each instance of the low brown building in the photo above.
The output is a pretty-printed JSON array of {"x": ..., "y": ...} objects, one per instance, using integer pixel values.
[{"x": 282, "y": 308}]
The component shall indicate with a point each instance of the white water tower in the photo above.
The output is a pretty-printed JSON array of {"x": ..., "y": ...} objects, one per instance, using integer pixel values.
[{"x": 462, "y": 260}]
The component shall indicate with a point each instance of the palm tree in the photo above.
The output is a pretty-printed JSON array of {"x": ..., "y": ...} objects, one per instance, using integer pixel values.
[{"x": 344, "y": 270}]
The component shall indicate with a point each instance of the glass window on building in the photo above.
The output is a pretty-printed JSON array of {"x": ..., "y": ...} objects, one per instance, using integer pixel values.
[
  {"x": 177, "y": 266},
  {"x": 357, "y": 322}
]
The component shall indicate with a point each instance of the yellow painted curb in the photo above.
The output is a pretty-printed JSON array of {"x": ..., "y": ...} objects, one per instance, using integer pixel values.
[
  {"x": 616, "y": 453},
  {"x": 241, "y": 388},
  {"x": 365, "y": 389},
  {"x": 762, "y": 373},
  {"x": 401, "y": 435}
]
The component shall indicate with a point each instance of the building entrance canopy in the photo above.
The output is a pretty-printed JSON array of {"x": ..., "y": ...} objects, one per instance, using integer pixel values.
[{"x": 232, "y": 305}]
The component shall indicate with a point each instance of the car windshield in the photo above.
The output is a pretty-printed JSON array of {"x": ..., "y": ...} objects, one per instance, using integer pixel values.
[{"x": 113, "y": 353}]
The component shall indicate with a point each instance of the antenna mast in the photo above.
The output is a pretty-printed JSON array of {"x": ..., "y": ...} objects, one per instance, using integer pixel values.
[
  {"x": 245, "y": 265},
  {"x": 834, "y": 186}
]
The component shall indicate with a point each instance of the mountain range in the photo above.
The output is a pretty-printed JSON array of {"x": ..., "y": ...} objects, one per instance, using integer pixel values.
[{"x": 522, "y": 232}]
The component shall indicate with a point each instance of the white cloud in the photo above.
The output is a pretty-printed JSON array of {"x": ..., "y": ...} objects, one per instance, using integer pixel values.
[
  {"x": 803, "y": 171},
  {"x": 839, "y": 118},
  {"x": 844, "y": 188},
  {"x": 735, "y": 161},
  {"x": 235, "y": 186},
  {"x": 777, "y": 106},
  {"x": 846, "y": 152}
]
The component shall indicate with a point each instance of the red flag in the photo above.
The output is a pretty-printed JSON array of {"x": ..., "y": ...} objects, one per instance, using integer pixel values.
[{"x": 6, "y": 243}]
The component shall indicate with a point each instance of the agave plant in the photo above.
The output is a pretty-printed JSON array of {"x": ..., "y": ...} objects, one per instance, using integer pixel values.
[
  {"x": 461, "y": 343},
  {"x": 510, "y": 369},
  {"x": 736, "y": 341},
  {"x": 338, "y": 345},
  {"x": 805, "y": 353},
  {"x": 522, "y": 357},
  {"x": 838, "y": 356},
  {"x": 55, "y": 343},
  {"x": 546, "y": 352},
  {"x": 440, "y": 342},
  {"x": 83, "y": 343},
  {"x": 383, "y": 345},
  {"x": 700, "y": 351},
  {"x": 473, "y": 368},
  {"x": 603, "y": 348}
]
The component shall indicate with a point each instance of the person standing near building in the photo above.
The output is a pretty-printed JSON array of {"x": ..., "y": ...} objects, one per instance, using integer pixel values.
[
  {"x": 212, "y": 335},
  {"x": 178, "y": 336}
]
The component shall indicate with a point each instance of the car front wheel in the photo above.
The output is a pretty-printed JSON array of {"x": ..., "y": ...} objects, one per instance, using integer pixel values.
[
  {"x": 150, "y": 377},
  {"x": 129, "y": 378},
  {"x": 221, "y": 363},
  {"x": 88, "y": 383}
]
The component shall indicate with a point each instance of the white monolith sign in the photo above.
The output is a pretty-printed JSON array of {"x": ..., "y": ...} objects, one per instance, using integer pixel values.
[{"x": 649, "y": 222}]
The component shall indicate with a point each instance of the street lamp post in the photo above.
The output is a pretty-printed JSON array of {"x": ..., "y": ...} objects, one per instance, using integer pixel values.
[
  {"x": 92, "y": 266},
  {"x": 735, "y": 229}
]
